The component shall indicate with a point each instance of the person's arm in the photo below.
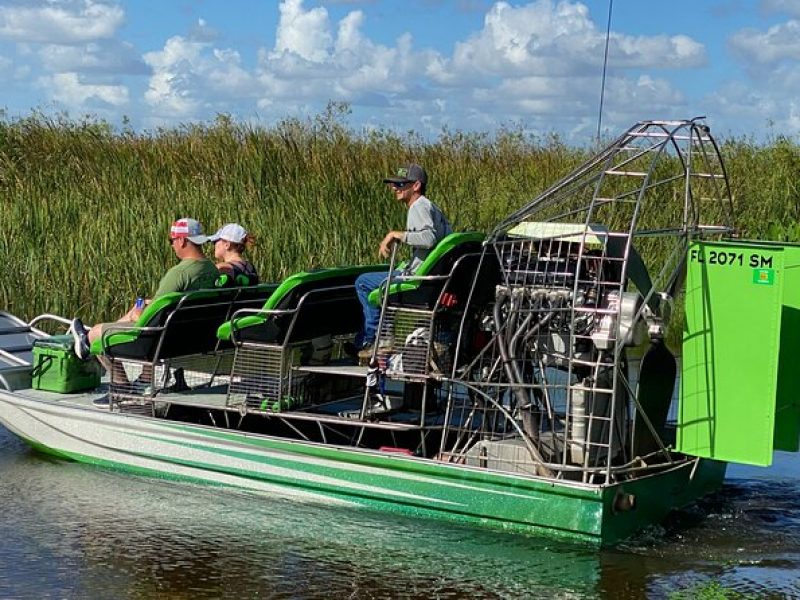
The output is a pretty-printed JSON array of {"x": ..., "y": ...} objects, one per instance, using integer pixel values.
[
  {"x": 420, "y": 229},
  {"x": 172, "y": 281},
  {"x": 390, "y": 238}
]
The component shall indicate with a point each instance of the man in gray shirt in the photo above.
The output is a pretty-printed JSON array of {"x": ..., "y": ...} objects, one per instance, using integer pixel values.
[{"x": 426, "y": 225}]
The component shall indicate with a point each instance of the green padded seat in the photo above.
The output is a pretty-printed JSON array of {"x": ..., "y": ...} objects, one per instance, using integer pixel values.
[
  {"x": 329, "y": 307},
  {"x": 185, "y": 323},
  {"x": 439, "y": 262}
]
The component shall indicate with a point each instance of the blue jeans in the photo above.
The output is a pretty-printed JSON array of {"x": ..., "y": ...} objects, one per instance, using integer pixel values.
[{"x": 365, "y": 284}]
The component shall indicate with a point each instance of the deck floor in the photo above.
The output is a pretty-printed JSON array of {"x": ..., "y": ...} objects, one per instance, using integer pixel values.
[
  {"x": 342, "y": 410},
  {"x": 212, "y": 397}
]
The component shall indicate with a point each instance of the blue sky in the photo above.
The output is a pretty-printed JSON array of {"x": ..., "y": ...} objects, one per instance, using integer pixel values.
[{"x": 421, "y": 65}]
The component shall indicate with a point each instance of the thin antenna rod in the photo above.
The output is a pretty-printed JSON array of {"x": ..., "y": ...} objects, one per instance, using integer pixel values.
[{"x": 605, "y": 64}]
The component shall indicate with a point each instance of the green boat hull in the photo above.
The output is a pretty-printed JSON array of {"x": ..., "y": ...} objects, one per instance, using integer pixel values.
[{"x": 343, "y": 475}]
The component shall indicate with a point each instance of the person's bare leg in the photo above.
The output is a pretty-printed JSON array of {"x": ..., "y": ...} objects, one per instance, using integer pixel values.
[{"x": 116, "y": 370}]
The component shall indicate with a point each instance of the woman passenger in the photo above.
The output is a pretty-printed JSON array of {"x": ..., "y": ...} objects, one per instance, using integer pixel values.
[{"x": 230, "y": 242}]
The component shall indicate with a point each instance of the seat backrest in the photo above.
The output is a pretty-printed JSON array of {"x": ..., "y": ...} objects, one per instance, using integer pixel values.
[
  {"x": 323, "y": 302},
  {"x": 253, "y": 296},
  {"x": 186, "y": 323},
  {"x": 439, "y": 262}
]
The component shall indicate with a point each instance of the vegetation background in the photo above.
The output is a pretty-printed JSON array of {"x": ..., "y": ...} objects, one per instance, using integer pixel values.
[{"x": 86, "y": 207}]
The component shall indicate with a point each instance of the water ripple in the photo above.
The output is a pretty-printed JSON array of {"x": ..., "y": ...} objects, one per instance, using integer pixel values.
[{"x": 71, "y": 530}]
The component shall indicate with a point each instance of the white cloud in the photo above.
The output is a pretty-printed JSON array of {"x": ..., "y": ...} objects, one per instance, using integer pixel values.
[
  {"x": 310, "y": 63},
  {"x": 68, "y": 89},
  {"x": 189, "y": 75},
  {"x": 171, "y": 91},
  {"x": 741, "y": 101},
  {"x": 304, "y": 33},
  {"x": 793, "y": 120},
  {"x": 773, "y": 104},
  {"x": 779, "y": 42},
  {"x": 541, "y": 38},
  {"x": 533, "y": 62},
  {"x": 60, "y": 21},
  {"x": 97, "y": 57},
  {"x": 537, "y": 62},
  {"x": 771, "y": 60},
  {"x": 74, "y": 42},
  {"x": 349, "y": 38}
]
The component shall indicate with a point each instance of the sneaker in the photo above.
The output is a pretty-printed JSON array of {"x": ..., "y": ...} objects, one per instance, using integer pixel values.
[
  {"x": 382, "y": 404},
  {"x": 102, "y": 401},
  {"x": 81, "y": 337},
  {"x": 179, "y": 385}
]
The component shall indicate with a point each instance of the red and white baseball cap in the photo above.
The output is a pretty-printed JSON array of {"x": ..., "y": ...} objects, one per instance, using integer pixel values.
[{"x": 189, "y": 229}]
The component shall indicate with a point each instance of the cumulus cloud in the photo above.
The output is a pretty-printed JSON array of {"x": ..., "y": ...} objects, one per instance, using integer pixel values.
[
  {"x": 104, "y": 56},
  {"x": 541, "y": 38},
  {"x": 771, "y": 60},
  {"x": 68, "y": 89},
  {"x": 76, "y": 49},
  {"x": 537, "y": 62},
  {"x": 779, "y": 42},
  {"x": 303, "y": 32},
  {"x": 742, "y": 102},
  {"x": 189, "y": 75},
  {"x": 344, "y": 66},
  {"x": 60, "y": 21},
  {"x": 527, "y": 62}
]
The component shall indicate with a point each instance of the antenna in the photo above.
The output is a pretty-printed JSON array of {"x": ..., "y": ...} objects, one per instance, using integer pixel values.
[{"x": 605, "y": 64}]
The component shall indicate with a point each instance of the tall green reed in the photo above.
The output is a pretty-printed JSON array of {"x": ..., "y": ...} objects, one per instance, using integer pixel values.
[{"x": 86, "y": 208}]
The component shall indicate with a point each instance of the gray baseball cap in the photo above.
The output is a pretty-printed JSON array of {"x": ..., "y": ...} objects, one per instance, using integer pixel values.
[{"x": 407, "y": 174}]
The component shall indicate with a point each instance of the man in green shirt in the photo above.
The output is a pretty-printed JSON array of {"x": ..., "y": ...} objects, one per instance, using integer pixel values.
[{"x": 193, "y": 272}]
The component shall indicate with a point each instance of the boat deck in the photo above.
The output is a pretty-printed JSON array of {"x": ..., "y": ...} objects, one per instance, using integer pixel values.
[{"x": 214, "y": 398}]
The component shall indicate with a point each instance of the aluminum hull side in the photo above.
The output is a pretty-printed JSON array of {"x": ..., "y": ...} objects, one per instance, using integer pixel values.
[{"x": 344, "y": 475}]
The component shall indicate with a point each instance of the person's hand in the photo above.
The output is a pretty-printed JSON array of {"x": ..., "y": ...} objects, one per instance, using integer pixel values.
[
  {"x": 135, "y": 312},
  {"x": 392, "y": 237}
]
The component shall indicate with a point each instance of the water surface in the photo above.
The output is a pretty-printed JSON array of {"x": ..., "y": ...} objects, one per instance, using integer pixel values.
[{"x": 74, "y": 531}]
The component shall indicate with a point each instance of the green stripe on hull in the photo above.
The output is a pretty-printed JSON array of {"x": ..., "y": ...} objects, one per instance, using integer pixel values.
[
  {"x": 374, "y": 503},
  {"x": 406, "y": 485},
  {"x": 429, "y": 486}
]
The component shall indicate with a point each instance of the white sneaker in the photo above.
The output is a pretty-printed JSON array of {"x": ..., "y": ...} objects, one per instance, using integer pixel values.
[{"x": 81, "y": 337}]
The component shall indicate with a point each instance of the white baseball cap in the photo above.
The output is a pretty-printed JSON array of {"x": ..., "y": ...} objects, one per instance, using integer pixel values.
[{"x": 230, "y": 232}]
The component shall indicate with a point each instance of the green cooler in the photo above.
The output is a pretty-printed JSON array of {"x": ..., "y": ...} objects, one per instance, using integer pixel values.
[{"x": 57, "y": 369}]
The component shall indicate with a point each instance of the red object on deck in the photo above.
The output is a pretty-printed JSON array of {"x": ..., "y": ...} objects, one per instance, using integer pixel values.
[
  {"x": 395, "y": 450},
  {"x": 448, "y": 300}
]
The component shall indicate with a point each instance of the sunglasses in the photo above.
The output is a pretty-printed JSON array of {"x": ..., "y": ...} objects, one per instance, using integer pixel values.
[{"x": 401, "y": 185}]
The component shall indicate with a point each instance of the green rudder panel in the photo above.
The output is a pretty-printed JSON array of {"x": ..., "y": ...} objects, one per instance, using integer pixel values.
[
  {"x": 731, "y": 345},
  {"x": 787, "y": 408}
]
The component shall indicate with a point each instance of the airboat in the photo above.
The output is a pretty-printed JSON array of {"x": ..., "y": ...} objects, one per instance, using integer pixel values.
[{"x": 521, "y": 380}]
